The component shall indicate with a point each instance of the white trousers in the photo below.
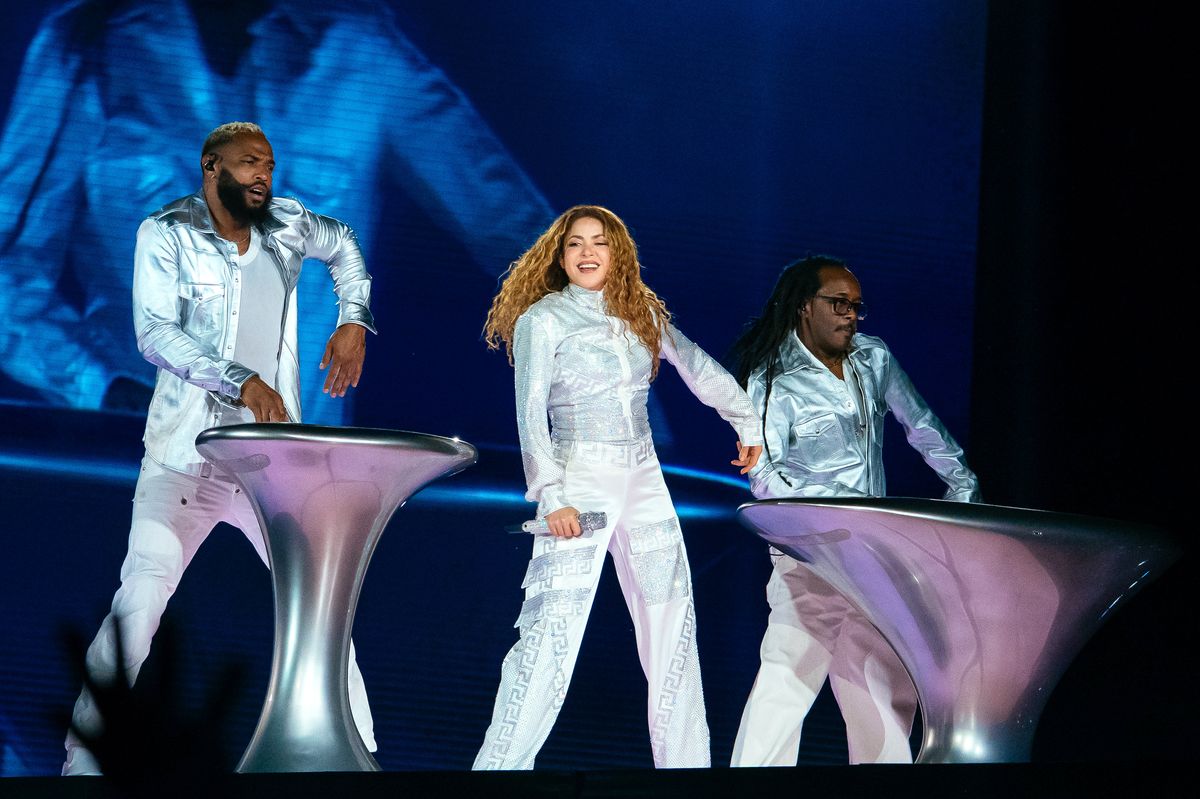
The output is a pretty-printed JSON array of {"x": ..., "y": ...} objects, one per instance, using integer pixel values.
[
  {"x": 813, "y": 632},
  {"x": 172, "y": 515},
  {"x": 647, "y": 549}
]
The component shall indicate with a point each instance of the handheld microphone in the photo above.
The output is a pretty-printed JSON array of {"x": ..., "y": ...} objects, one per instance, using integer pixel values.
[{"x": 589, "y": 522}]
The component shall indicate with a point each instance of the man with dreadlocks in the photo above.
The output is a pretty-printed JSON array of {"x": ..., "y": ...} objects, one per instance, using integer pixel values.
[
  {"x": 585, "y": 335},
  {"x": 822, "y": 390}
]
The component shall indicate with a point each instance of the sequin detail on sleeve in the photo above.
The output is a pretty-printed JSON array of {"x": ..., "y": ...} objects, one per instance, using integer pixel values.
[
  {"x": 533, "y": 359},
  {"x": 712, "y": 385}
]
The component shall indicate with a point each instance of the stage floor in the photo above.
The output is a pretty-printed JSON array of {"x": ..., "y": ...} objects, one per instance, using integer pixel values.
[{"x": 1028, "y": 781}]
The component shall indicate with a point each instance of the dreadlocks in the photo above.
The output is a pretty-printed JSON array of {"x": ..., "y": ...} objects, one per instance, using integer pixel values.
[{"x": 760, "y": 341}]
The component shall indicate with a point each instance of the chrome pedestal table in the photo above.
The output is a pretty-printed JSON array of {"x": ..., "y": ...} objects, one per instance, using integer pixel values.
[
  {"x": 986, "y": 606},
  {"x": 323, "y": 496}
]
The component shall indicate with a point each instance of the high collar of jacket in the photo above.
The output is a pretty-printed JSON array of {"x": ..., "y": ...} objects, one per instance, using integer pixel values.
[
  {"x": 793, "y": 355},
  {"x": 201, "y": 219},
  {"x": 585, "y": 297}
]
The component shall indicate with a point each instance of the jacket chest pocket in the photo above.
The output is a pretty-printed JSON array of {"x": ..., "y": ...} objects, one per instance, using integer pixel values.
[
  {"x": 202, "y": 305},
  {"x": 821, "y": 444}
]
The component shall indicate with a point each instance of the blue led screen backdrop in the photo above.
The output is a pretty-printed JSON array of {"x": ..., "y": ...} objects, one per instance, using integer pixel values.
[{"x": 730, "y": 140}]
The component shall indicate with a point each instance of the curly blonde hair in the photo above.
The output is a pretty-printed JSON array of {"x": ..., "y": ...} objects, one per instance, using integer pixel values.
[{"x": 539, "y": 272}]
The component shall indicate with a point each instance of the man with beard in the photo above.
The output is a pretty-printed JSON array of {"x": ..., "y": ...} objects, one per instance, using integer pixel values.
[
  {"x": 823, "y": 389},
  {"x": 214, "y": 291}
]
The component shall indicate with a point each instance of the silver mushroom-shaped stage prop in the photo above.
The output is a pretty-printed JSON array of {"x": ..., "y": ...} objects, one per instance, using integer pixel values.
[
  {"x": 986, "y": 606},
  {"x": 323, "y": 496}
]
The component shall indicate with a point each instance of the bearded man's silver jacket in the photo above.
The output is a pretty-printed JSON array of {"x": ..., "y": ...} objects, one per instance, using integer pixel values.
[{"x": 186, "y": 293}]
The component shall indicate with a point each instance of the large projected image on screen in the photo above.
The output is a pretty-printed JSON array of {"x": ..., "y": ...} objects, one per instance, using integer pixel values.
[
  {"x": 732, "y": 142},
  {"x": 731, "y": 138},
  {"x": 97, "y": 137}
]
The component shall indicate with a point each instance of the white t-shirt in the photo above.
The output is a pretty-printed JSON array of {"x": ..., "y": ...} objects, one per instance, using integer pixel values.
[{"x": 260, "y": 311}]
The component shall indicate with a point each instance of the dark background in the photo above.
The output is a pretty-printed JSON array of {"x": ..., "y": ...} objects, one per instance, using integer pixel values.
[
  {"x": 1005, "y": 179},
  {"x": 1079, "y": 394}
]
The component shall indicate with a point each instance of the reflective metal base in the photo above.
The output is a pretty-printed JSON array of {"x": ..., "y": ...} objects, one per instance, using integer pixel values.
[
  {"x": 986, "y": 606},
  {"x": 323, "y": 496}
]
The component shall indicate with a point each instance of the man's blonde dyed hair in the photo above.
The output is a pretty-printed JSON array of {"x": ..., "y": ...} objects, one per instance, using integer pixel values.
[{"x": 226, "y": 133}]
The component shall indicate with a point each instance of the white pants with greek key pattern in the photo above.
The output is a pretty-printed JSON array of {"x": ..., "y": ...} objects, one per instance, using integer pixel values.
[{"x": 647, "y": 549}]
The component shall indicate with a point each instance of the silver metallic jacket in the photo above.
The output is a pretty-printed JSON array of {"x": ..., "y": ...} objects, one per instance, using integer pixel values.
[
  {"x": 186, "y": 294},
  {"x": 817, "y": 446},
  {"x": 592, "y": 376}
]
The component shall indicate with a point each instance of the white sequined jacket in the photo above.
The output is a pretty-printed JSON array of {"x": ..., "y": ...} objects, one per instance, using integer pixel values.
[{"x": 592, "y": 376}]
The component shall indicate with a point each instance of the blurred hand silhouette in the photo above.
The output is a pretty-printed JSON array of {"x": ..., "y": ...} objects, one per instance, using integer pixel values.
[{"x": 149, "y": 742}]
